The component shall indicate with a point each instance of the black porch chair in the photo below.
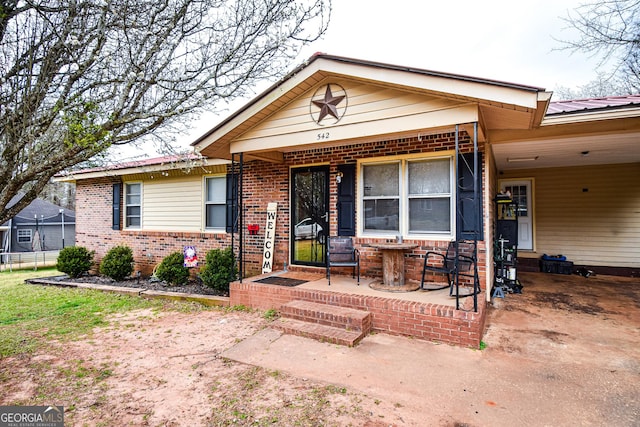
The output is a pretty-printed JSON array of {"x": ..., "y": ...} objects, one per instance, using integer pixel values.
[
  {"x": 342, "y": 253},
  {"x": 438, "y": 262}
]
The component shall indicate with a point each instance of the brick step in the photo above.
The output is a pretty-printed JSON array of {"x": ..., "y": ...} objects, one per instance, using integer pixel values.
[
  {"x": 329, "y": 315},
  {"x": 317, "y": 331}
]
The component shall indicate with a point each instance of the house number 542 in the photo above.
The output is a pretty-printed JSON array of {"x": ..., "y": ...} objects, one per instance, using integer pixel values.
[{"x": 323, "y": 135}]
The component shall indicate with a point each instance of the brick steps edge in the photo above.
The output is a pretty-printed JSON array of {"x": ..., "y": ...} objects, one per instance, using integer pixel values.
[
  {"x": 317, "y": 331},
  {"x": 328, "y": 315}
]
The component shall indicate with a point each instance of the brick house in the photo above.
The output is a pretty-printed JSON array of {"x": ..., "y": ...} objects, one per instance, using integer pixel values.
[{"x": 377, "y": 151}]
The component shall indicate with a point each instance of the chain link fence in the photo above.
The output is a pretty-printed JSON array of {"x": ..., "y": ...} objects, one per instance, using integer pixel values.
[{"x": 22, "y": 260}]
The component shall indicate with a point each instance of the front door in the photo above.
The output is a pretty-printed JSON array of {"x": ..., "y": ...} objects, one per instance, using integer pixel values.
[
  {"x": 521, "y": 193},
  {"x": 309, "y": 215}
]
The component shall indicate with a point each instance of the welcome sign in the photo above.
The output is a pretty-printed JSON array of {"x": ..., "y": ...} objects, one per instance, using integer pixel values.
[{"x": 269, "y": 238}]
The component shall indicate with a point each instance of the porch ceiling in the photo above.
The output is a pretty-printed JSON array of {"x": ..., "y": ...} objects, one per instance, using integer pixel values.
[{"x": 581, "y": 150}]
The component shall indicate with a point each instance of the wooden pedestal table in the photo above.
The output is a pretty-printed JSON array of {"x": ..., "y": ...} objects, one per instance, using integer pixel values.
[{"x": 393, "y": 267}]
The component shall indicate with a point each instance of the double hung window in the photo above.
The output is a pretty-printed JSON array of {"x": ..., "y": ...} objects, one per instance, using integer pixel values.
[
  {"x": 429, "y": 194},
  {"x": 215, "y": 202},
  {"x": 408, "y": 196},
  {"x": 133, "y": 205},
  {"x": 381, "y": 196}
]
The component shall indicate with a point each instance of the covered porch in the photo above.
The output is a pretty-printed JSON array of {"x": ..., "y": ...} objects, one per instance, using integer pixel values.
[
  {"x": 376, "y": 152},
  {"x": 385, "y": 154}
]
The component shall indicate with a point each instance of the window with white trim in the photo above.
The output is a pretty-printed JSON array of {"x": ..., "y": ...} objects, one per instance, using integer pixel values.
[
  {"x": 381, "y": 196},
  {"x": 24, "y": 235},
  {"x": 133, "y": 205},
  {"x": 215, "y": 202},
  {"x": 408, "y": 196},
  {"x": 429, "y": 193}
]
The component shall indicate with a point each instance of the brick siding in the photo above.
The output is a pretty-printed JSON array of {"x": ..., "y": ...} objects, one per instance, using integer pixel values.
[
  {"x": 94, "y": 230},
  {"x": 263, "y": 183},
  {"x": 427, "y": 321}
]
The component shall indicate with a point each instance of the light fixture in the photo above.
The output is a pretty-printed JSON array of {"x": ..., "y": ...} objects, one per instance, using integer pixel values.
[
  {"x": 339, "y": 176},
  {"x": 521, "y": 159}
]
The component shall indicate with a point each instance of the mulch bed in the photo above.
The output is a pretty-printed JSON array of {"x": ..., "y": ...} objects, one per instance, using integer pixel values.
[{"x": 192, "y": 287}]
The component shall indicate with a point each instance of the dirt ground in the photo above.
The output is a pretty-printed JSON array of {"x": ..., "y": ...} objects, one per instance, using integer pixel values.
[
  {"x": 165, "y": 369},
  {"x": 565, "y": 352},
  {"x": 582, "y": 337}
]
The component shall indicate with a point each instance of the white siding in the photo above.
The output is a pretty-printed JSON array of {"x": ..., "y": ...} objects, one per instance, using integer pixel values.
[
  {"x": 366, "y": 103},
  {"x": 590, "y": 214}
]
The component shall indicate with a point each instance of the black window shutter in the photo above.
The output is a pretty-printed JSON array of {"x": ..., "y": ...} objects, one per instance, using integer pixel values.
[
  {"x": 232, "y": 203},
  {"x": 470, "y": 224},
  {"x": 347, "y": 200},
  {"x": 115, "y": 207}
]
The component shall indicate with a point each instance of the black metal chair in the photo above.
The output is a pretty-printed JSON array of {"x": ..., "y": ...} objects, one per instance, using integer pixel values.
[
  {"x": 438, "y": 262},
  {"x": 342, "y": 253}
]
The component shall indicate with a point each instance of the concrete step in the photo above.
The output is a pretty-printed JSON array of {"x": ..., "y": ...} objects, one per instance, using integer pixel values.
[
  {"x": 329, "y": 315},
  {"x": 317, "y": 331}
]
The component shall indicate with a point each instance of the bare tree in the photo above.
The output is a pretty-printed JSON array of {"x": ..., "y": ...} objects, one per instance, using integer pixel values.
[
  {"x": 59, "y": 193},
  {"x": 602, "y": 86},
  {"x": 79, "y": 76},
  {"x": 610, "y": 28}
]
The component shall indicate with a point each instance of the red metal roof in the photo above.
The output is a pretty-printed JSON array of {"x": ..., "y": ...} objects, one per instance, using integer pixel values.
[{"x": 592, "y": 104}]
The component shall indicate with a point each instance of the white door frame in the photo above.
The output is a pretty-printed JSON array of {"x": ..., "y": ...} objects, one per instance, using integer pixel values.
[{"x": 526, "y": 234}]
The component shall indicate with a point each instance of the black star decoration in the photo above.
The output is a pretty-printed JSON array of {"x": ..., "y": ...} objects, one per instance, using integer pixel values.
[{"x": 328, "y": 104}]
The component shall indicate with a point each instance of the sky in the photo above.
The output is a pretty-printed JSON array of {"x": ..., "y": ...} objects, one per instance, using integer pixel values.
[{"x": 508, "y": 40}]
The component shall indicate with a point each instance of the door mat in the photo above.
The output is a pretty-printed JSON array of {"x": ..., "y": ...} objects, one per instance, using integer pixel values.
[{"x": 280, "y": 281}]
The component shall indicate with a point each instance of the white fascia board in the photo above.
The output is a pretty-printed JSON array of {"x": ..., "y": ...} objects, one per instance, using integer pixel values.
[
  {"x": 457, "y": 87},
  {"x": 254, "y": 107},
  {"x": 504, "y": 95}
]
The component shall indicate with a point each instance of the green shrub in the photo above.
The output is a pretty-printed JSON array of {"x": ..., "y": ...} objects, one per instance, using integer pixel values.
[
  {"x": 172, "y": 269},
  {"x": 75, "y": 260},
  {"x": 219, "y": 269},
  {"x": 117, "y": 263}
]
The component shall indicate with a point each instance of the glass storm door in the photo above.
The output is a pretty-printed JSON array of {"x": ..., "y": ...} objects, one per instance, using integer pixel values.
[
  {"x": 521, "y": 192},
  {"x": 309, "y": 215}
]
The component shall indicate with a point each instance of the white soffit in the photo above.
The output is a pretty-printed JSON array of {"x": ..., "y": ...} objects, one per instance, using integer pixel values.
[{"x": 574, "y": 151}]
